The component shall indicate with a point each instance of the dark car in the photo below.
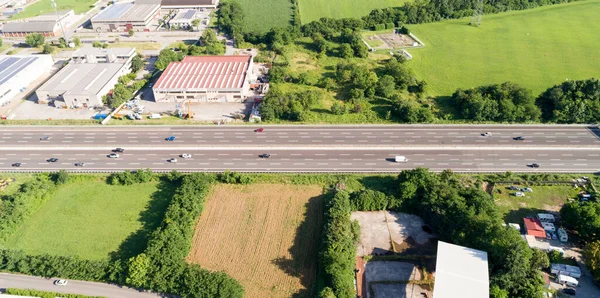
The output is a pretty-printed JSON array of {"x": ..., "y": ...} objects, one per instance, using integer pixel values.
[
  {"x": 265, "y": 155},
  {"x": 16, "y": 164},
  {"x": 45, "y": 138},
  {"x": 171, "y": 138},
  {"x": 52, "y": 159},
  {"x": 259, "y": 130},
  {"x": 570, "y": 291},
  {"x": 519, "y": 138},
  {"x": 119, "y": 150},
  {"x": 534, "y": 165}
]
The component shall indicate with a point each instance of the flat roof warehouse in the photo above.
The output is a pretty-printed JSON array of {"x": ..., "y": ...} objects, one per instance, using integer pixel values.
[{"x": 126, "y": 11}]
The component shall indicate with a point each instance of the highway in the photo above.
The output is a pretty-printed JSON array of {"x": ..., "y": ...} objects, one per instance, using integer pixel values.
[{"x": 368, "y": 149}]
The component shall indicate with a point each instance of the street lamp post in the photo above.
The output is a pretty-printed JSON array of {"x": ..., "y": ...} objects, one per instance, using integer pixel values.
[{"x": 62, "y": 29}]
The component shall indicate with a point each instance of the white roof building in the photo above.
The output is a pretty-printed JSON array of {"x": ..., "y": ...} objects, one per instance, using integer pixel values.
[
  {"x": 17, "y": 72},
  {"x": 461, "y": 272}
]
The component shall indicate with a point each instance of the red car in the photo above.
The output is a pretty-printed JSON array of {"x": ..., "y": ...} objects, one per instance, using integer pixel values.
[{"x": 259, "y": 129}]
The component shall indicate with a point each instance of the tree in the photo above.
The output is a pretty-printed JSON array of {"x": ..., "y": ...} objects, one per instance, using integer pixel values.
[
  {"x": 591, "y": 254},
  {"x": 230, "y": 17},
  {"x": 386, "y": 86},
  {"x": 137, "y": 63},
  {"x": 77, "y": 41},
  {"x": 62, "y": 43},
  {"x": 400, "y": 72},
  {"x": 61, "y": 177},
  {"x": 47, "y": 49},
  {"x": 138, "y": 269},
  {"x": 131, "y": 32},
  {"x": 195, "y": 23},
  {"x": 572, "y": 102},
  {"x": 34, "y": 39},
  {"x": 583, "y": 218},
  {"x": 165, "y": 57},
  {"x": 338, "y": 108},
  {"x": 346, "y": 51}
]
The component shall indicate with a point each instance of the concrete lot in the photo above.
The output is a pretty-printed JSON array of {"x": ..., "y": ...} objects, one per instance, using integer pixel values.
[
  {"x": 397, "y": 291},
  {"x": 376, "y": 232},
  {"x": 390, "y": 271},
  {"x": 29, "y": 110}
]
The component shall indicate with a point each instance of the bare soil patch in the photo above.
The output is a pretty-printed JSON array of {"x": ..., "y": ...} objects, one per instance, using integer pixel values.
[{"x": 266, "y": 236}]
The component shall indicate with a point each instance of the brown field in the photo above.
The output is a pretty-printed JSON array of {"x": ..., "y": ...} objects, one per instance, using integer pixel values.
[{"x": 266, "y": 236}]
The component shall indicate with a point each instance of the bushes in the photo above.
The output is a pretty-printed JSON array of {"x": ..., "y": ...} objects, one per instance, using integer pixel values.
[
  {"x": 235, "y": 178},
  {"x": 370, "y": 200},
  {"x": 42, "y": 294},
  {"x": 583, "y": 218},
  {"x": 129, "y": 178}
]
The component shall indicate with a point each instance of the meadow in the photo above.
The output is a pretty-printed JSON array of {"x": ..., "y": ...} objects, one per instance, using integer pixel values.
[
  {"x": 311, "y": 10},
  {"x": 90, "y": 219},
  {"x": 536, "y": 48},
  {"x": 45, "y": 7},
  {"x": 266, "y": 236},
  {"x": 262, "y": 15}
]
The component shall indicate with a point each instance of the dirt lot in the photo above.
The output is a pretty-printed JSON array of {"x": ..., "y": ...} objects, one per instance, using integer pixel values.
[{"x": 265, "y": 236}]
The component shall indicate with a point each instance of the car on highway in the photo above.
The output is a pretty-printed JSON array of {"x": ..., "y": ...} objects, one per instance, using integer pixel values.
[
  {"x": 259, "y": 130},
  {"x": 173, "y": 160},
  {"x": 265, "y": 155},
  {"x": 486, "y": 134},
  {"x": 570, "y": 291},
  {"x": 16, "y": 164},
  {"x": 53, "y": 159},
  {"x": 171, "y": 138},
  {"x": 519, "y": 138},
  {"x": 45, "y": 138},
  {"x": 60, "y": 282},
  {"x": 79, "y": 164},
  {"x": 120, "y": 150},
  {"x": 113, "y": 155},
  {"x": 534, "y": 165},
  {"x": 186, "y": 155}
]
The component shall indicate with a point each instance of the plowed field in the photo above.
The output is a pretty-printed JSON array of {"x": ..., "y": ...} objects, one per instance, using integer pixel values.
[{"x": 266, "y": 236}]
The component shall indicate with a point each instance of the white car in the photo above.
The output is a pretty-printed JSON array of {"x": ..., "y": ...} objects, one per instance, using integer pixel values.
[
  {"x": 113, "y": 155},
  {"x": 173, "y": 160},
  {"x": 519, "y": 194},
  {"x": 60, "y": 282},
  {"x": 527, "y": 189},
  {"x": 487, "y": 134},
  {"x": 186, "y": 155}
]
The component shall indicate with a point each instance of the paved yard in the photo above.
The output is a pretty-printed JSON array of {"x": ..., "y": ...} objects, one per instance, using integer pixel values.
[
  {"x": 29, "y": 110},
  {"x": 391, "y": 271}
]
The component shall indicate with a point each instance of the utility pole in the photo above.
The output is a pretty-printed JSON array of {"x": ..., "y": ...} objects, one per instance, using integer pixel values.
[
  {"x": 477, "y": 14},
  {"x": 62, "y": 29}
]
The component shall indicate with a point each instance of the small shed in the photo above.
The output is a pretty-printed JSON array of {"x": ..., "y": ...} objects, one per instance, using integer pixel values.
[{"x": 533, "y": 227}]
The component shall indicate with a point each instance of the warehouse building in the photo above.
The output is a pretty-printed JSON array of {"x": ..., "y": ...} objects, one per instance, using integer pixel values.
[
  {"x": 48, "y": 25},
  {"x": 17, "y": 72},
  {"x": 206, "y": 79},
  {"x": 461, "y": 272},
  {"x": 189, "y": 4},
  {"x": 126, "y": 16},
  {"x": 90, "y": 74}
]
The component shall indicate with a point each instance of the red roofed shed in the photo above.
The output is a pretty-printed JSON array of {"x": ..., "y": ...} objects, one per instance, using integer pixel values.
[{"x": 533, "y": 226}]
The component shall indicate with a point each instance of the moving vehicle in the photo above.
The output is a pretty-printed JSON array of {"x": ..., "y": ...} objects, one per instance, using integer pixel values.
[
  {"x": 45, "y": 138},
  {"x": 570, "y": 291},
  {"x": 186, "y": 155},
  {"x": 173, "y": 160},
  {"x": 519, "y": 138},
  {"x": 534, "y": 165},
  {"x": 259, "y": 130},
  {"x": 60, "y": 282},
  {"x": 16, "y": 164},
  {"x": 52, "y": 159},
  {"x": 79, "y": 164},
  {"x": 265, "y": 155},
  {"x": 400, "y": 159},
  {"x": 113, "y": 155},
  {"x": 171, "y": 138},
  {"x": 486, "y": 134},
  {"x": 120, "y": 150}
]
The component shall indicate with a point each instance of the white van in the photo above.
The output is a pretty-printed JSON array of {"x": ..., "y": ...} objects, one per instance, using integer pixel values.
[
  {"x": 401, "y": 159},
  {"x": 546, "y": 217},
  {"x": 155, "y": 116},
  {"x": 562, "y": 235},
  {"x": 567, "y": 280}
]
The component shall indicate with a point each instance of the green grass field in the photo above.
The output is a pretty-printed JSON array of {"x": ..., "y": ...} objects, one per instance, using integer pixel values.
[
  {"x": 262, "y": 15},
  {"x": 311, "y": 10},
  {"x": 547, "y": 197},
  {"x": 45, "y": 7},
  {"x": 536, "y": 48},
  {"x": 91, "y": 219}
]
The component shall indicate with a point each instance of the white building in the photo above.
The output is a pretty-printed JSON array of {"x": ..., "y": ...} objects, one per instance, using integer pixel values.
[
  {"x": 125, "y": 17},
  {"x": 206, "y": 79},
  {"x": 90, "y": 74},
  {"x": 17, "y": 72},
  {"x": 461, "y": 272},
  {"x": 189, "y": 4}
]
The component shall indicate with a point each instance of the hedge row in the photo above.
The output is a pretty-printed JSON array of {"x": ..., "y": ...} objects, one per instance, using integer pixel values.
[{"x": 42, "y": 294}]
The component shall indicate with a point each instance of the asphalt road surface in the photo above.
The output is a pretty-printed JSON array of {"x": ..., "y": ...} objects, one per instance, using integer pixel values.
[
  {"x": 304, "y": 148},
  {"x": 72, "y": 287}
]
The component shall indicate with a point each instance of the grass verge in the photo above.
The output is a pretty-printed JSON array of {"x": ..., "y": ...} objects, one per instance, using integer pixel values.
[
  {"x": 262, "y": 15},
  {"x": 311, "y": 10}
]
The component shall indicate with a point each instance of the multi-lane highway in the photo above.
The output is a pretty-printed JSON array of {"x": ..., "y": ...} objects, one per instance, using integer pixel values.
[{"x": 304, "y": 148}]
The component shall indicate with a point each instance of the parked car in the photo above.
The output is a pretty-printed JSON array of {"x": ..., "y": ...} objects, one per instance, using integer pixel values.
[
  {"x": 173, "y": 160},
  {"x": 60, "y": 282},
  {"x": 45, "y": 138},
  {"x": 171, "y": 138},
  {"x": 16, "y": 164},
  {"x": 553, "y": 234},
  {"x": 113, "y": 155},
  {"x": 79, "y": 164},
  {"x": 570, "y": 291},
  {"x": 519, "y": 138},
  {"x": 120, "y": 150},
  {"x": 527, "y": 189},
  {"x": 512, "y": 187},
  {"x": 186, "y": 155},
  {"x": 548, "y": 236},
  {"x": 259, "y": 130},
  {"x": 52, "y": 159},
  {"x": 265, "y": 155},
  {"x": 519, "y": 194}
]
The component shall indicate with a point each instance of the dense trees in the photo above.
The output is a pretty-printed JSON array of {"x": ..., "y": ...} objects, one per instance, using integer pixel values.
[
  {"x": 230, "y": 18},
  {"x": 583, "y": 218},
  {"x": 572, "y": 102},
  {"x": 410, "y": 111},
  {"x": 504, "y": 102},
  {"x": 211, "y": 45},
  {"x": 167, "y": 56},
  {"x": 136, "y": 63},
  {"x": 279, "y": 104},
  {"x": 591, "y": 254},
  {"x": 34, "y": 39}
]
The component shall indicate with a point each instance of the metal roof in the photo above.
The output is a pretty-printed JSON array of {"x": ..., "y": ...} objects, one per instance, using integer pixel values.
[
  {"x": 11, "y": 66},
  {"x": 42, "y": 26},
  {"x": 187, "y": 2},
  {"x": 185, "y": 15},
  {"x": 205, "y": 72},
  {"x": 126, "y": 12},
  {"x": 533, "y": 226},
  {"x": 461, "y": 272},
  {"x": 81, "y": 78}
]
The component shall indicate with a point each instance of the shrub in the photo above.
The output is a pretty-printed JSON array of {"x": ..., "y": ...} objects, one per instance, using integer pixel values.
[
  {"x": 235, "y": 178},
  {"x": 338, "y": 108},
  {"x": 129, "y": 178},
  {"x": 389, "y": 25}
]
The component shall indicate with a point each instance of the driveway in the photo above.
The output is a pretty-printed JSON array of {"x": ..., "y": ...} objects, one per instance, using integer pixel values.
[{"x": 73, "y": 287}]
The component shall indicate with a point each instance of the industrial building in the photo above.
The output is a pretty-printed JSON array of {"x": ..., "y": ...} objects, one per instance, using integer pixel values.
[
  {"x": 183, "y": 19},
  {"x": 206, "y": 79},
  {"x": 17, "y": 72},
  {"x": 48, "y": 25},
  {"x": 461, "y": 272},
  {"x": 126, "y": 16},
  {"x": 90, "y": 74},
  {"x": 189, "y": 4}
]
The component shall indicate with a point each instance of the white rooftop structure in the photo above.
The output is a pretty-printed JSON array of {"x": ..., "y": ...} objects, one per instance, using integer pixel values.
[
  {"x": 18, "y": 72},
  {"x": 461, "y": 272}
]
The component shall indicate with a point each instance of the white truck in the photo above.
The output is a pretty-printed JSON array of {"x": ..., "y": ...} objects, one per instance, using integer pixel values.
[
  {"x": 400, "y": 158},
  {"x": 567, "y": 280}
]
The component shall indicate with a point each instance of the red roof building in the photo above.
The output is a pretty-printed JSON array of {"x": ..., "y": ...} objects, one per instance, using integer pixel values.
[
  {"x": 533, "y": 226},
  {"x": 205, "y": 79}
]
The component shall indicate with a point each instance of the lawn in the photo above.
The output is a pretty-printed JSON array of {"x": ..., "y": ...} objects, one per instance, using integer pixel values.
[
  {"x": 536, "y": 48},
  {"x": 90, "y": 219},
  {"x": 266, "y": 236},
  {"x": 139, "y": 46},
  {"x": 547, "y": 197},
  {"x": 262, "y": 15},
  {"x": 311, "y": 10},
  {"x": 45, "y": 7}
]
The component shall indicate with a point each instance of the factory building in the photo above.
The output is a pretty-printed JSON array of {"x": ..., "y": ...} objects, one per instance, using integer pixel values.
[
  {"x": 17, "y": 72},
  {"x": 126, "y": 16}
]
